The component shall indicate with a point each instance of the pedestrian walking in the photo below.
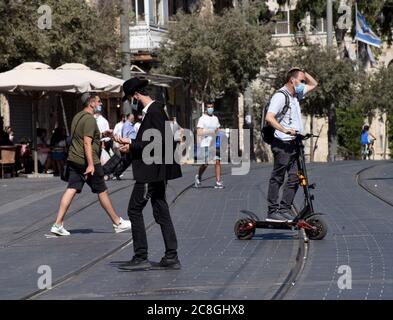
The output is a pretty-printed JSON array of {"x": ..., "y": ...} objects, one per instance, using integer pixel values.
[
  {"x": 84, "y": 167},
  {"x": 150, "y": 181},
  {"x": 207, "y": 130}
]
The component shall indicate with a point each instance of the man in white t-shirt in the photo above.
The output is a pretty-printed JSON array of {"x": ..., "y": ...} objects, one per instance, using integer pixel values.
[
  {"x": 103, "y": 125},
  {"x": 207, "y": 130}
]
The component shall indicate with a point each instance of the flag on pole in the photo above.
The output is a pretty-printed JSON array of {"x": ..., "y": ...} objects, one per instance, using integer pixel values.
[
  {"x": 371, "y": 56},
  {"x": 364, "y": 32}
]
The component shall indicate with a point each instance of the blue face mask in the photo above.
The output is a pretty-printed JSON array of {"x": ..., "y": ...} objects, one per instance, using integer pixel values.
[
  {"x": 98, "y": 108},
  {"x": 210, "y": 111},
  {"x": 134, "y": 104},
  {"x": 299, "y": 89}
]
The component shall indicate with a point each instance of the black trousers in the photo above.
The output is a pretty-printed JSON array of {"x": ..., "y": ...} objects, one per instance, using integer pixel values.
[
  {"x": 285, "y": 161},
  {"x": 155, "y": 191}
]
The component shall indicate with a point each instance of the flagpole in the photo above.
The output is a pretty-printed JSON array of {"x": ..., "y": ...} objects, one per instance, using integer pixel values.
[{"x": 356, "y": 30}]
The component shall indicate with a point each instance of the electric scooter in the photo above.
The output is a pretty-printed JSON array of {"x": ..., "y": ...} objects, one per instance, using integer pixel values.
[{"x": 313, "y": 223}]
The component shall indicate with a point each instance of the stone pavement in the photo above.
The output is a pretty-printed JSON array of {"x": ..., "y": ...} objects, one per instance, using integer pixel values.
[
  {"x": 215, "y": 264},
  {"x": 360, "y": 235}
]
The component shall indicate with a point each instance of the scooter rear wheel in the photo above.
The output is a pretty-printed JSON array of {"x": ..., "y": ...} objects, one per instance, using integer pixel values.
[
  {"x": 320, "y": 225},
  {"x": 243, "y": 229}
]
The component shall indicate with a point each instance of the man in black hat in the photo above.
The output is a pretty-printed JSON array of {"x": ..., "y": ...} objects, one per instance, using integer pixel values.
[{"x": 151, "y": 180}]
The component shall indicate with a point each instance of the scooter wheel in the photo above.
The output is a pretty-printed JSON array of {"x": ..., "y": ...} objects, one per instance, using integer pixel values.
[
  {"x": 244, "y": 229},
  {"x": 320, "y": 230}
]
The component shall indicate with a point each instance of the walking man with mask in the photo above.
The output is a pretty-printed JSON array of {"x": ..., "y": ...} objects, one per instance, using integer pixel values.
[
  {"x": 298, "y": 83},
  {"x": 150, "y": 180},
  {"x": 207, "y": 131},
  {"x": 84, "y": 165}
]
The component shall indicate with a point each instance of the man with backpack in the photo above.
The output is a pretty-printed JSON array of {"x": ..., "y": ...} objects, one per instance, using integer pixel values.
[{"x": 285, "y": 118}]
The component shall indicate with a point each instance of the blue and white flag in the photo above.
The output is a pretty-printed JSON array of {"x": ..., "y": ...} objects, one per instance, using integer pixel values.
[{"x": 364, "y": 32}]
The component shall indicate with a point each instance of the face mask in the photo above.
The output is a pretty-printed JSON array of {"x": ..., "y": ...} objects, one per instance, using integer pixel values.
[
  {"x": 98, "y": 108},
  {"x": 299, "y": 89},
  {"x": 210, "y": 111},
  {"x": 134, "y": 104}
]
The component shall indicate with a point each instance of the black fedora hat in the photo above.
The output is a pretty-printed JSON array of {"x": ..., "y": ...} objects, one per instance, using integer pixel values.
[{"x": 132, "y": 85}]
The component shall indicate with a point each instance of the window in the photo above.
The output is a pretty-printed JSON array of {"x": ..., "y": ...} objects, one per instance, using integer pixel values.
[
  {"x": 282, "y": 22},
  {"x": 156, "y": 9},
  {"x": 138, "y": 11},
  {"x": 320, "y": 25}
]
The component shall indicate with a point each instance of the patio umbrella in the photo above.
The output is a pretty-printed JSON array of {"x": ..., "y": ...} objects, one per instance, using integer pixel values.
[
  {"x": 98, "y": 81},
  {"x": 34, "y": 79},
  {"x": 38, "y": 77}
]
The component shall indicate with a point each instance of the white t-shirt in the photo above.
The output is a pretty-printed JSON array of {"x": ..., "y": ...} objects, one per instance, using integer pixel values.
[
  {"x": 293, "y": 117},
  {"x": 137, "y": 125},
  {"x": 117, "y": 132},
  {"x": 103, "y": 125},
  {"x": 207, "y": 122},
  {"x": 117, "y": 129}
]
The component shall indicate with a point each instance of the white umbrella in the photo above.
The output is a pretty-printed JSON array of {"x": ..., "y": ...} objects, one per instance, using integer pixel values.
[
  {"x": 34, "y": 78},
  {"x": 98, "y": 81}
]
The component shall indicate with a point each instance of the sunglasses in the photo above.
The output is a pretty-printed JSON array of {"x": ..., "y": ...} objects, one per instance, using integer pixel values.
[{"x": 303, "y": 81}]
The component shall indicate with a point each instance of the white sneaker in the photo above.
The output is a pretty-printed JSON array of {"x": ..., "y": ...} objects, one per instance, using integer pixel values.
[
  {"x": 197, "y": 181},
  {"x": 219, "y": 185},
  {"x": 59, "y": 230},
  {"x": 124, "y": 225}
]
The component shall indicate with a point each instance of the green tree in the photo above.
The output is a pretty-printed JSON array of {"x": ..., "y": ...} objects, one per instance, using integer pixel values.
[
  {"x": 349, "y": 123},
  {"x": 371, "y": 88},
  {"x": 215, "y": 54},
  {"x": 79, "y": 33},
  {"x": 375, "y": 93}
]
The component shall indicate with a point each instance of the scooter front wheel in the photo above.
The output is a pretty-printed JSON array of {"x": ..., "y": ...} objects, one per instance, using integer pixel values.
[
  {"x": 244, "y": 229},
  {"x": 319, "y": 225}
]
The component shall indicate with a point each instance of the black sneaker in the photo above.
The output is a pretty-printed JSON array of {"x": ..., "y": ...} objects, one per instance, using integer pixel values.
[
  {"x": 275, "y": 217},
  {"x": 136, "y": 264},
  {"x": 167, "y": 264}
]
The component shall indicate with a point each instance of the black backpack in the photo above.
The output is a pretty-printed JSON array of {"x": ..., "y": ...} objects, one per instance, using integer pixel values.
[{"x": 267, "y": 130}]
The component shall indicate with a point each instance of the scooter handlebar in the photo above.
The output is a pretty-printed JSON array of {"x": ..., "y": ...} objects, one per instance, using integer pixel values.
[{"x": 306, "y": 136}]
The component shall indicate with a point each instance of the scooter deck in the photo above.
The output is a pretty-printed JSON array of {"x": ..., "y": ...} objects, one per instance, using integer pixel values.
[{"x": 268, "y": 224}]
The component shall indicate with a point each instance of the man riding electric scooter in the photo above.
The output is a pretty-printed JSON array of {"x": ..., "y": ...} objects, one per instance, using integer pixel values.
[{"x": 298, "y": 83}]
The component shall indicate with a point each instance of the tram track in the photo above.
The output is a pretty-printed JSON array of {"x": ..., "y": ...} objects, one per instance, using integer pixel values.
[{"x": 290, "y": 280}]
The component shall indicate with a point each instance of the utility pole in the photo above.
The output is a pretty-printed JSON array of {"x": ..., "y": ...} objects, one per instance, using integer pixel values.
[
  {"x": 332, "y": 116},
  {"x": 125, "y": 46},
  {"x": 329, "y": 18}
]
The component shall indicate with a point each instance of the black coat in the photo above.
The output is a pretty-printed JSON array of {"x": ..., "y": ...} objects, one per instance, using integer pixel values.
[{"x": 154, "y": 119}]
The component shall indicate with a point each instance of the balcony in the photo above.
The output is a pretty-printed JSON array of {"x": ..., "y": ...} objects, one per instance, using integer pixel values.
[{"x": 146, "y": 38}]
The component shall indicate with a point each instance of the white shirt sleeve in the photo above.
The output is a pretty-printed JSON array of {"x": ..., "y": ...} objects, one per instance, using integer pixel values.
[
  {"x": 277, "y": 103},
  {"x": 106, "y": 125},
  {"x": 218, "y": 123},
  {"x": 201, "y": 123}
]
